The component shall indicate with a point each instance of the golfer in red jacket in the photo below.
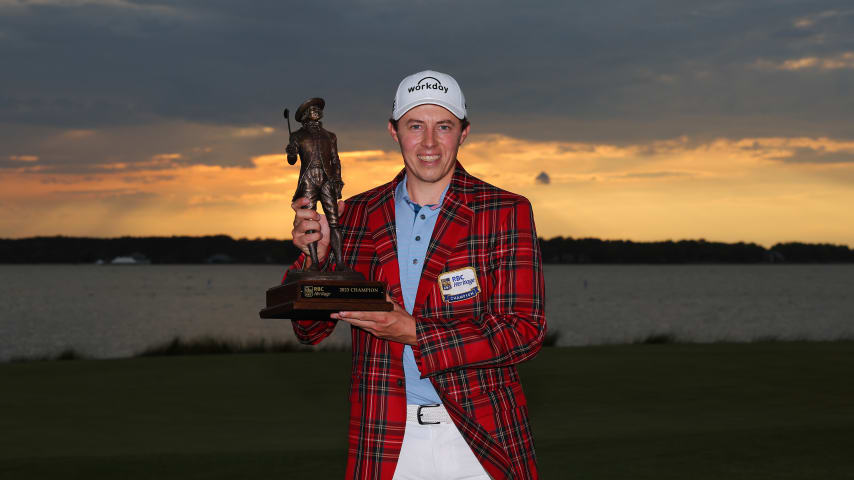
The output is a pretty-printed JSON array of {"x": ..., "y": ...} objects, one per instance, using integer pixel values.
[{"x": 435, "y": 393}]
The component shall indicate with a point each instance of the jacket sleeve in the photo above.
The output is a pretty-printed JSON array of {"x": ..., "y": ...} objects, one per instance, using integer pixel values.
[
  {"x": 513, "y": 326},
  {"x": 309, "y": 332}
]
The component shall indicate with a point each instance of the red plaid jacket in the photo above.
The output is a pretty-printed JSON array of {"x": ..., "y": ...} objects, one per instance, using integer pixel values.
[{"x": 469, "y": 349}]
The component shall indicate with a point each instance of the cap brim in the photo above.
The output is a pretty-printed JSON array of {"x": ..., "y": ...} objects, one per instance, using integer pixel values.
[{"x": 399, "y": 112}]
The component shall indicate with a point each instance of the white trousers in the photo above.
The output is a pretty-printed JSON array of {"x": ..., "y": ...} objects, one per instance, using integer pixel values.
[{"x": 436, "y": 452}]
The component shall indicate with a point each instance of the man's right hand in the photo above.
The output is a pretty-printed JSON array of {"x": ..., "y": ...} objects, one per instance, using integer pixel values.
[{"x": 306, "y": 219}]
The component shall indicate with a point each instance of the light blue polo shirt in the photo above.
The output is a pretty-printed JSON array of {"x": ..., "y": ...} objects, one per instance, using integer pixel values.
[{"x": 414, "y": 225}]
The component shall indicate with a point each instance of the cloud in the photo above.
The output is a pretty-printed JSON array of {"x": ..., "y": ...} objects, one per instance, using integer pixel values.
[
  {"x": 365, "y": 155},
  {"x": 543, "y": 178},
  {"x": 577, "y": 71},
  {"x": 132, "y": 148},
  {"x": 75, "y": 134},
  {"x": 249, "y": 132},
  {"x": 651, "y": 175},
  {"x": 24, "y": 158},
  {"x": 809, "y": 21},
  {"x": 816, "y": 155},
  {"x": 844, "y": 60},
  {"x": 799, "y": 150},
  {"x": 122, "y": 195},
  {"x": 118, "y": 4}
]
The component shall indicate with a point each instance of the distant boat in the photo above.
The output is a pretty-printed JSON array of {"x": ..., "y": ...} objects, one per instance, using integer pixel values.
[
  {"x": 133, "y": 259},
  {"x": 220, "y": 258}
]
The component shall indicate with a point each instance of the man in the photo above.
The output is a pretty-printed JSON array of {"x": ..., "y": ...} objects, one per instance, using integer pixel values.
[
  {"x": 434, "y": 391},
  {"x": 320, "y": 170}
]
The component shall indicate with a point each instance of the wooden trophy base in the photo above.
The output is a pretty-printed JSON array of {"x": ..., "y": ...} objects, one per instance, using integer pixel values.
[{"x": 315, "y": 295}]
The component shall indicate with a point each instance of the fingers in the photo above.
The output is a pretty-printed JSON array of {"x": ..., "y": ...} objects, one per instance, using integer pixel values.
[
  {"x": 300, "y": 203},
  {"x": 302, "y": 237},
  {"x": 302, "y": 240},
  {"x": 374, "y": 323},
  {"x": 304, "y": 225},
  {"x": 305, "y": 220},
  {"x": 368, "y": 326},
  {"x": 300, "y": 209},
  {"x": 359, "y": 316},
  {"x": 355, "y": 320},
  {"x": 394, "y": 326},
  {"x": 367, "y": 320}
]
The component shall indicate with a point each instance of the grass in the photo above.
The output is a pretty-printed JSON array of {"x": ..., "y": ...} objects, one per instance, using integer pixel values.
[
  {"x": 779, "y": 410},
  {"x": 671, "y": 338},
  {"x": 66, "y": 354},
  {"x": 218, "y": 346}
]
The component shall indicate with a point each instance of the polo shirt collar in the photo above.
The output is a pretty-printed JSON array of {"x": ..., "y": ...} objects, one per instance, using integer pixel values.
[{"x": 401, "y": 193}]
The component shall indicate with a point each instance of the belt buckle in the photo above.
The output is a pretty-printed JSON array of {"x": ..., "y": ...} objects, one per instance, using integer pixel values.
[{"x": 419, "y": 414}]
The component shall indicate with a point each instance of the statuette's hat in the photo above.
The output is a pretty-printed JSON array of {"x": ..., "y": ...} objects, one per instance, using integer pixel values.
[{"x": 301, "y": 111}]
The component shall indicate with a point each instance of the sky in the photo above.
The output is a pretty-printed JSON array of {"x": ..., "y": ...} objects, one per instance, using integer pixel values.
[{"x": 641, "y": 120}]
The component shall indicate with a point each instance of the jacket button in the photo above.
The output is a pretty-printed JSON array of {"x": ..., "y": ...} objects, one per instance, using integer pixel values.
[{"x": 399, "y": 382}]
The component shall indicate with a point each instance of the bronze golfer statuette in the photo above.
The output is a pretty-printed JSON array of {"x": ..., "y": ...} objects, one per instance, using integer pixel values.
[{"x": 317, "y": 290}]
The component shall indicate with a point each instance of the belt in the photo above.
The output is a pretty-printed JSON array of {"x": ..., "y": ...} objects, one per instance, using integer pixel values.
[{"x": 427, "y": 414}]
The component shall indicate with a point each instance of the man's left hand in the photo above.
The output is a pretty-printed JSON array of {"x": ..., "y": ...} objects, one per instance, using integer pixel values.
[{"x": 396, "y": 325}]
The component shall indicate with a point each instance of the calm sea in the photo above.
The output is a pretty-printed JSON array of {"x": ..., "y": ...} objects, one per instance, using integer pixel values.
[{"x": 115, "y": 311}]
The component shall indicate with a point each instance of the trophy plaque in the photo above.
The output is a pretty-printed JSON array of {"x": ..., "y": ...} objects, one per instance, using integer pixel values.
[
  {"x": 316, "y": 297},
  {"x": 313, "y": 293}
]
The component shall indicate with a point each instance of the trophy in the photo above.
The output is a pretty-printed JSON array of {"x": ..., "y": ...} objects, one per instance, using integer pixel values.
[{"x": 315, "y": 293}]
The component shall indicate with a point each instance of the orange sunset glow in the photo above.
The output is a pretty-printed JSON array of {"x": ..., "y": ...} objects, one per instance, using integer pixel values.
[{"x": 750, "y": 189}]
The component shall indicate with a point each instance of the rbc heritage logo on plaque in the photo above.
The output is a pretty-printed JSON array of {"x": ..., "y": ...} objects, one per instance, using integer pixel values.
[
  {"x": 459, "y": 284},
  {"x": 307, "y": 291}
]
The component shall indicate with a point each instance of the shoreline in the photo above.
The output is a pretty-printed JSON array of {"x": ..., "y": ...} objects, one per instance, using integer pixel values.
[{"x": 207, "y": 345}]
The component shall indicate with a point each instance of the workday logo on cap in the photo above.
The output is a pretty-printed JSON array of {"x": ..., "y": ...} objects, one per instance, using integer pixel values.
[
  {"x": 427, "y": 83},
  {"x": 429, "y": 88}
]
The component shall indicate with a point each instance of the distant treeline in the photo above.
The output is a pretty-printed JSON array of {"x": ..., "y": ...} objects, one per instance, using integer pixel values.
[
  {"x": 224, "y": 249},
  {"x": 593, "y": 250},
  {"x": 208, "y": 249}
]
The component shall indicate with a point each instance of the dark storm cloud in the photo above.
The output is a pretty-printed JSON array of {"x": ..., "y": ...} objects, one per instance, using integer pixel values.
[
  {"x": 158, "y": 146},
  {"x": 619, "y": 71},
  {"x": 820, "y": 155}
]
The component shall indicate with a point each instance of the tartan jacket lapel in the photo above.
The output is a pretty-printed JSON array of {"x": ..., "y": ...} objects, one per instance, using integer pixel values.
[
  {"x": 451, "y": 226},
  {"x": 381, "y": 226}
]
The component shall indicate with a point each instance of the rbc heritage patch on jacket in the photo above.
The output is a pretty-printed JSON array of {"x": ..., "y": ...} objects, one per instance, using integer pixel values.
[{"x": 459, "y": 284}]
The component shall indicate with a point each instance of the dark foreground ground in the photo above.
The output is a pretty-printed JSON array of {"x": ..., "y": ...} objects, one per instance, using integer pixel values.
[{"x": 722, "y": 411}]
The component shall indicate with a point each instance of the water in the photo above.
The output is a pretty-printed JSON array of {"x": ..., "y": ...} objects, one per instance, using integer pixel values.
[
  {"x": 702, "y": 303},
  {"x": 111, "y": 311}
]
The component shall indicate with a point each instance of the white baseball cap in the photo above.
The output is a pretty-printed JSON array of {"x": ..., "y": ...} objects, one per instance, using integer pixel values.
[{"x": 429, "y": 87}]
